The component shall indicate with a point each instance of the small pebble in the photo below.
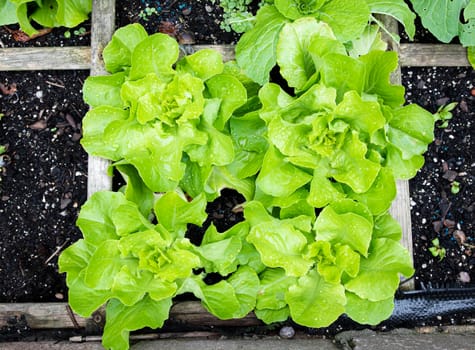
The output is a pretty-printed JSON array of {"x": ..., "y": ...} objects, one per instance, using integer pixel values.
[
  {"x": 208, "y": 8},
  {"x": 464, "y": 277},
  {"x": 186, "y": 11},
  {"x": 287, "y": 332},
  {"x": 59, "y": 296}
]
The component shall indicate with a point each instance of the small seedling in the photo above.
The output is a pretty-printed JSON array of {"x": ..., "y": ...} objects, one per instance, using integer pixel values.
[
  {"x": 67, "y": 34},
  {"x": 147, "y": 12},
  {"x": 455, "y": 188},
  {"x": 80, "y": 31},
  {"x": 436, "y": 250},
  {"x": 444, "y": 114}
]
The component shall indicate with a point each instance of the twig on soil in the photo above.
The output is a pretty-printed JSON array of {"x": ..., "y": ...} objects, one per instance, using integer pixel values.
[
  {"x": 58, "y": 249},
  {"x": 238, "y": 209},
  {"x": 54, "y": 84}
]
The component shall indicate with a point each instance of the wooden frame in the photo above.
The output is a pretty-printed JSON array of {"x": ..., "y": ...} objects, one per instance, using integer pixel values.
[{"x": 59, "y": 315}]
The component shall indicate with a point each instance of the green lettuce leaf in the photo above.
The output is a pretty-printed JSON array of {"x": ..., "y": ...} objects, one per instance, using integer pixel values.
[
  {"x": 347, "y": 19},
  {"x": 274, "y": 283},
  {"x": 281, "y": 243},
  {"x": 155, "y": 54},
  {"x": 378, "y": 278},
  {"x": 471, "y": 55},
  {"x": 83, "y": 299},
  {"x": 221, "y": 255},
  {"x": 121, "y": 320},
  {"x": 136, "y": 191},
  {"x": 378, "y": 68},
  {"x": 442, "y": 18},
  {"x": 104, "y": 90},
  {"x": 293, "y": 55},
  {"x": 118, "y": 52},
  {"x": 48, "y": 13},
  {"x": 397, "y": 9},
  {"x": 175, "y": 212},
  {"x": 260, "y": 44},
  {"x": 369, "y": 312},
  {"x": 385, "y": 226},
  {"x": 314, "y": 302},
  {"x": 380, "y": 195},
  {"x": 278, "y": 177},
  {"x": 231, "y": 298},
  {"x": 7, "y": 12},
  {"x": 346, "y": 222},
  {"x": 269, "y": 316},
  {"x": 95, "y": 218},
  {"x": 195, "y": 64}
]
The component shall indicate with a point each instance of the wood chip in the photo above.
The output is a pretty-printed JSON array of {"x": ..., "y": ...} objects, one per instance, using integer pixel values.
[{"x": 39, "y": 125}]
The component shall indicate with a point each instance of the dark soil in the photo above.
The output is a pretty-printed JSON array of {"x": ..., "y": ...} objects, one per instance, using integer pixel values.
[
  {"x": 437, "y": 211},
  {"x": 197, "y": 20},
  {"x": 78, "y": 36},
  {"x": 43, "y": 180}
]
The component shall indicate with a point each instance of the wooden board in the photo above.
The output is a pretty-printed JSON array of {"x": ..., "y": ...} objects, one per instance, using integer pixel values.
[
  {"x": 431, "y": 55},
  {"x": 103, "y": 25},
  {"x": 64, "y": 58},
  {"x": 59, "y": 315},
  {"x": 45, "y": 58},
  {"x": 400, "y": 208}
]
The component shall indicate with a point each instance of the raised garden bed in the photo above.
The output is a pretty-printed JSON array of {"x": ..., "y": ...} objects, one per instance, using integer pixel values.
[{"x": 56, "y": 315}]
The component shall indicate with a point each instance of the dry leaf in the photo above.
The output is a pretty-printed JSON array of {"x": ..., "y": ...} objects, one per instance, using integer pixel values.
[{"x": 8, "y": 89}]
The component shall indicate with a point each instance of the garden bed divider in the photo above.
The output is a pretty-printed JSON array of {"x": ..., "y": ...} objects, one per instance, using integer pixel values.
[{"x": 58, "y": 315}]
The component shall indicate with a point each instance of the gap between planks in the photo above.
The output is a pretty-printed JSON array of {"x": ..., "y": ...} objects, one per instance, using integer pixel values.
[{"x": 72, "y": 58}]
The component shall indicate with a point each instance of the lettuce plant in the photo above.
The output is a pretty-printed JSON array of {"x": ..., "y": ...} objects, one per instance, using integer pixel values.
[
  {"x": 447, "y": 19},
  {"x": 348, "y": 20},
  {"x": 137, "y": 266},
  {"x": 316, "y": 162},
  {"x": 50, "y": 13},
  {"x": 339, "y": 137},
  {"x": 166, "y": 117}
]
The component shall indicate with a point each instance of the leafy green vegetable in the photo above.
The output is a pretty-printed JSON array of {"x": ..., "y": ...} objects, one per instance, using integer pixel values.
[
  {"x": 397, "y": 9},
  {"x": 471, "y": 55},
  {"x": 137, "y": 267},
  {"x": 179, "y": 130},
  {"x": 256, "y": 50},
  {"x": 160, "y": 119},
  {"x": 50, "y": 13},
  {"x": 443, "y": 19}
]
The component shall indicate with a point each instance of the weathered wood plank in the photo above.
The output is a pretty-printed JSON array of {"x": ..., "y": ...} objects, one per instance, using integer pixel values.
[
  {"x": 64, "y": 58},
  {"x": 428, "y": 55},
  {"x": 400, "y": 208},
  {"x": 59, "y": 315},
  {"x": 45, "y": 58},
  {"x": 102, "y": 28},
  {"x": 41, "y": 315}
]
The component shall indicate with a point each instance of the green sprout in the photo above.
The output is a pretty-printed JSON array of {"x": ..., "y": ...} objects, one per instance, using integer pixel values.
[
  {"x": 3, "y": 149},
  {"x": 80, "y": 31},
  {"x": 436, "y": 250},
  {"x": 67, "y": 34},
  {"x": 147, "y": 12},
  {"x": 444, "y": 114},
  {"x": 455, "y": 188}
]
